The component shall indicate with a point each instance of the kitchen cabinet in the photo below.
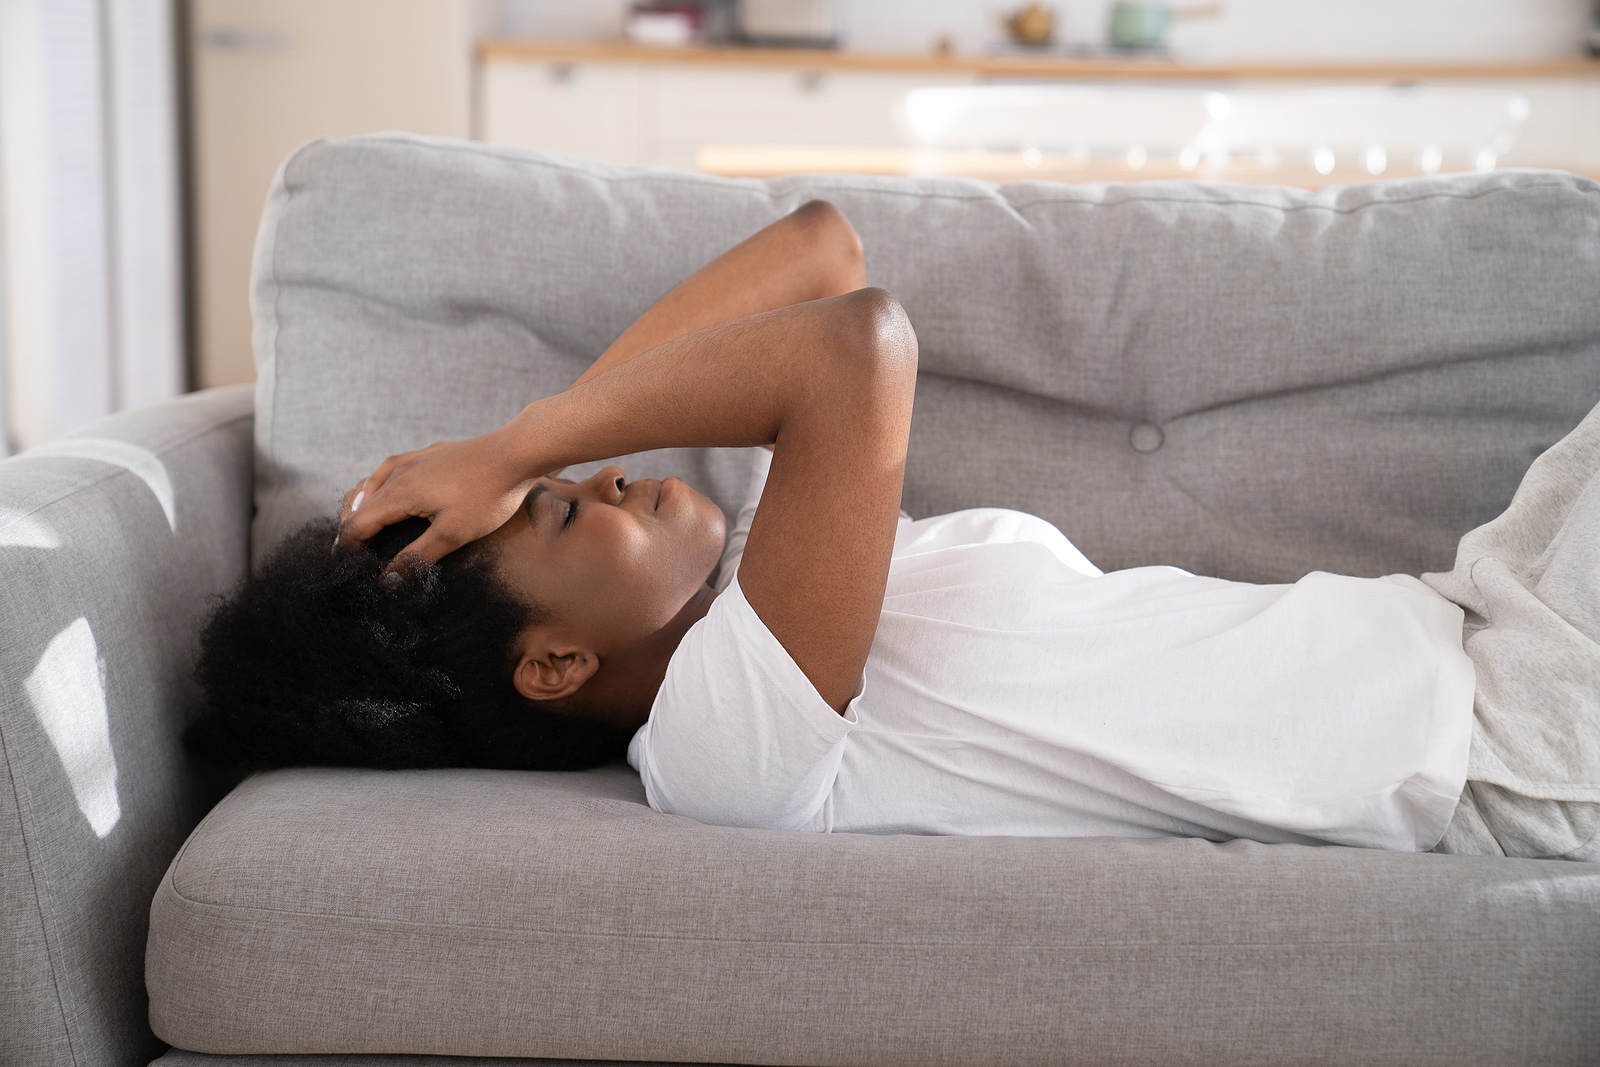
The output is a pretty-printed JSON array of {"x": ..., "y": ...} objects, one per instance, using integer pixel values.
[
  {"x": 764, "y": 112},
  {"x": 662, "y": 114}
]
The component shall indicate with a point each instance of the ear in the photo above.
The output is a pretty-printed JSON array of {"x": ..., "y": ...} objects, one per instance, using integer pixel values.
[{"x": 550, "y": 669}]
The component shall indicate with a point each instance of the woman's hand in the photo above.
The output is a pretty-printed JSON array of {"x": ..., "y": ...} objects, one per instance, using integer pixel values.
[{"x": 467, "y": 488}]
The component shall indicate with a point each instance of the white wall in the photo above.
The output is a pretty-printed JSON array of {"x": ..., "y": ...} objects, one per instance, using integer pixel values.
[{"x": 1248, "y": 29}]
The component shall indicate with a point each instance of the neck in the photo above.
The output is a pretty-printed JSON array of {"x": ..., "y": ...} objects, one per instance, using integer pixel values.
[{"x": 623, "y": 690}]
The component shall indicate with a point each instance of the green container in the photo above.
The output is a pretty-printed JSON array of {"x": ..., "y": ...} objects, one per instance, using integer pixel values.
[{"x": 1139, "y": 25}]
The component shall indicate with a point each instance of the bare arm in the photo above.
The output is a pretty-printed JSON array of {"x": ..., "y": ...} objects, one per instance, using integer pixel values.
[
  {"x": 830, "y": 381},
  {"x": 811, "y": 253}
]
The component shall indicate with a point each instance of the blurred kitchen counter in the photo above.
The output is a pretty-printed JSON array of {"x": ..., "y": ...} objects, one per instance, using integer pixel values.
[
  {"x": 1030, "y": 66},
  {"x": 763, "y": 112},
  {"x": 776, "y": 160}
]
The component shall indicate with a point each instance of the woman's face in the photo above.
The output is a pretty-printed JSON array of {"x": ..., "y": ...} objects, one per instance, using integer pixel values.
[{"x": 611, "y": 561}]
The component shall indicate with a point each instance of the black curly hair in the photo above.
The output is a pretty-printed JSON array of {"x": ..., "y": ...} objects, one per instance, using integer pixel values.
[{"x": 315, "y": 660}]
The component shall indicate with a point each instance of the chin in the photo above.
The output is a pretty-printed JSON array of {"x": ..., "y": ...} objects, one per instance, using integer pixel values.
[{"x": 708, "y": 531}]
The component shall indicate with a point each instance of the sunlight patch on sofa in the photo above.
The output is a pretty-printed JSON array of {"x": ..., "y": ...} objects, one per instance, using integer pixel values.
[
  {"x": 67, "y": 690},
  {"x": 140, "y": 462},
  {"x": 21, "y": 530}
]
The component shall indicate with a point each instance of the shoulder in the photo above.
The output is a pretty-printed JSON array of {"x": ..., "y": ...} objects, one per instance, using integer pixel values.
[{"x": 738, "y": 735}]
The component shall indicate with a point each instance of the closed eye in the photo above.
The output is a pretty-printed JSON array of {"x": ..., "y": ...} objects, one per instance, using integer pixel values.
[{"x": 572, "y": 513}]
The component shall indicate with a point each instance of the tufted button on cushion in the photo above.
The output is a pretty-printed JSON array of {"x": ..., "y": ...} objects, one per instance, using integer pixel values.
[{"x": 1146, "y": 437}]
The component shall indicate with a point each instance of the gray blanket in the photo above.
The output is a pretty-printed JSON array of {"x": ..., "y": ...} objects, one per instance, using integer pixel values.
[{"x": 1530, "y": 583}]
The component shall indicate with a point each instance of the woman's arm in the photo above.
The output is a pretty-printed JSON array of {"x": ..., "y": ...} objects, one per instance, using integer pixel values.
[
  {"x": 830, "y": 381},
  {"x": 811, "y": 253}
]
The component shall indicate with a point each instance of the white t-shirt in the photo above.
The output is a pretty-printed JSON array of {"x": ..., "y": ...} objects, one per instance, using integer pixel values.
[{"x": 1012, "y": 688}]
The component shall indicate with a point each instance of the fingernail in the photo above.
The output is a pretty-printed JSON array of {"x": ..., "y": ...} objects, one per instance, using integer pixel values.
[
  {"x": 355, "y": 505},
  {"x": 392, "y": 579}
]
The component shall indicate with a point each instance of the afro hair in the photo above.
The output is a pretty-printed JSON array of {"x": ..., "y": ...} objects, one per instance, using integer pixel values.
[{"x": 315, "y": 660}]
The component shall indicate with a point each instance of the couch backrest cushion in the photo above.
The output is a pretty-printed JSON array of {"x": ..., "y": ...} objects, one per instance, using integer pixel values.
[{"x": 1251, "y": 382}]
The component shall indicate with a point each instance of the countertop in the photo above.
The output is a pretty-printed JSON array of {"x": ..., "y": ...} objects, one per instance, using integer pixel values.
[{"x": 1044, "y": 65}]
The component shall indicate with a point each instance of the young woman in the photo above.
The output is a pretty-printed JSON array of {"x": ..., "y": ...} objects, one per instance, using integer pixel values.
[{"x": 851, "y": 669}]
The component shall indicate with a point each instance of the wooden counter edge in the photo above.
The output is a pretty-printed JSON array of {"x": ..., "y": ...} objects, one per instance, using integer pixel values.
[{"x": 1013, "y": 66}]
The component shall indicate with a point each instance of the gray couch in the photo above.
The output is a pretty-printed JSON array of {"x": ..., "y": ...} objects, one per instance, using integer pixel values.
[{"x": 1251, "y": 383}]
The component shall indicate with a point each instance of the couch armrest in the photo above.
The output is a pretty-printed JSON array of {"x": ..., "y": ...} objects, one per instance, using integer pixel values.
[{"x": 114, "y": 543}]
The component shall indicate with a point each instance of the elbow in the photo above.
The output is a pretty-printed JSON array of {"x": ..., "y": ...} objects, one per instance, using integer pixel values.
[
  {"x": 886, "y": 327},
  {"x": 835, "y": 245},
  {"x": 879, "y": 343}
]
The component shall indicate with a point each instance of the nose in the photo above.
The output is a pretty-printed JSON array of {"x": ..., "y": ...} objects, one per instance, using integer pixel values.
[{"x": 609, "y": 484}]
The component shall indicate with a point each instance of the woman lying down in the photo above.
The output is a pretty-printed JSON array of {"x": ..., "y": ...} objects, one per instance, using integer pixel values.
[{"x": 854, "y": 670}]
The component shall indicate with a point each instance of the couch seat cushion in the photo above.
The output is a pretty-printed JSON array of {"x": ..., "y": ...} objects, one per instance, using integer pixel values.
[{"x": 507, "y": 913}]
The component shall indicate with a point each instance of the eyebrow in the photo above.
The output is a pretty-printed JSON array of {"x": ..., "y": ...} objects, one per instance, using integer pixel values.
[{"x": 538, "y": 489}]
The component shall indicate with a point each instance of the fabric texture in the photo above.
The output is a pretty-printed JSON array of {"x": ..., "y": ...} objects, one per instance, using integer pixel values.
[
  {"x": 180, "y": 1058},
  {"x": 1012, "y": 688},
  {"x": 1245, "y": 382},
  {"x": 1530, "y": 583},
  {"x": 1248, "y": 383},
  {"x": 113, "y": 541},
  {"x": 502, "y": 913}
]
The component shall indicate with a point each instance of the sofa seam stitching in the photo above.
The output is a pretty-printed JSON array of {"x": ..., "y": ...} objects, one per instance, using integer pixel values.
[
  {"x": 1584, "y": 185},
  {"x": 120, "y": 472},
  {"x": 257, "y": 916},
  {"x": 40, "y": 896},
  {"x": 277, "y": 288}
]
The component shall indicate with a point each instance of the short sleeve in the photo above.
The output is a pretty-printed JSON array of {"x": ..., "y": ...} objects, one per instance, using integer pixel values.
[{"x": 738, "y": 735}]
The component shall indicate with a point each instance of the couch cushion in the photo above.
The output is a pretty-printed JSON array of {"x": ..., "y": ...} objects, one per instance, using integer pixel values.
[
  {"x": 503, "y": 913},
  {"x": 1247, "y": 382}
]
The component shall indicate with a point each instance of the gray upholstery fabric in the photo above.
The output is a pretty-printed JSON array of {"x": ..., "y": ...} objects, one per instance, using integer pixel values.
[
  {"x": 1245, "y": 382},
  {"x": 1346, "y": 380},
  {"x": 111, "y": 542},
  {"x": 180, "y": 1058},
  {"x": 502, "y": 913}
]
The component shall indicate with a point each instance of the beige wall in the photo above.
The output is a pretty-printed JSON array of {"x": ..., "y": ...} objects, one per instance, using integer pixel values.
[{"x": 269, "y": 75}]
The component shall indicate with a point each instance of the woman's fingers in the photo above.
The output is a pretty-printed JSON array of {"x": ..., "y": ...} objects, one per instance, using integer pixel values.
[
  {"x": 431, "y": 547},
  {"x": 352, "y": 500},
  {"x": 467, "y": 488},
  {"x": 376, "y": 512},
  {"x": 380, "y": 474},
  {"x": 370, "y": 487}
]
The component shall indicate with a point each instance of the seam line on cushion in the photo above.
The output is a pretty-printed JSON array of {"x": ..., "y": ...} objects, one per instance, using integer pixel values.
[
  {"x": 277, "y": 291},
  {"x": 1578, "y": 349},
  {"x": 1583, "y": 185},
  {"x": 165, "y": 450},
  {"x": 1351, "y": 210},
  {"x": 264, "y": 916},
  {"x": 753, "y": 185},
  {"x": 183, "y": 849},
  {"x": 39, "y": 894}
]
